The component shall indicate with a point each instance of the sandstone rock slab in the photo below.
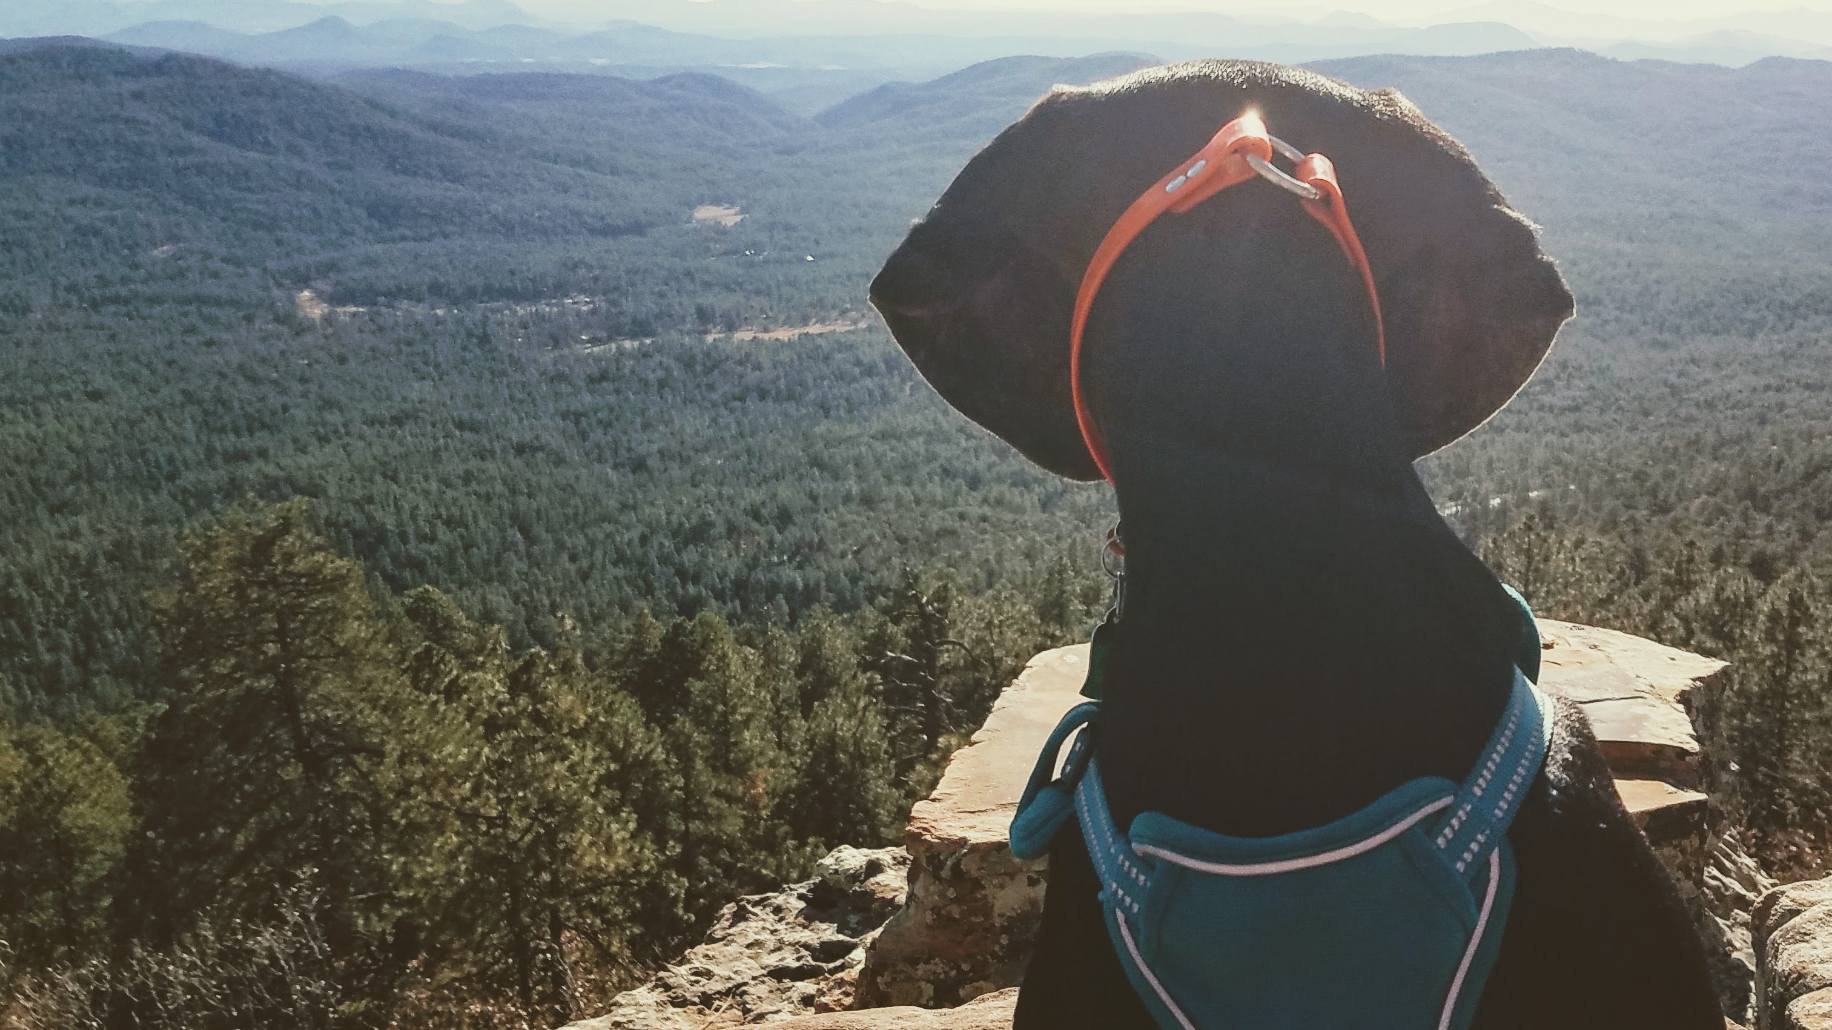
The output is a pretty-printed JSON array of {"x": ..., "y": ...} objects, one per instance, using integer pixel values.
[
  {"x": 1792, "y": 929},
  {"x": 1809, "y": 1012},
  {"x": 973, "y": 907},
  {"x": 769, "y": 957},
  {"x": 1635, "y": 692},
  {"x": 987, "y": 1012},
  {"x": 1663, "y": 811}
]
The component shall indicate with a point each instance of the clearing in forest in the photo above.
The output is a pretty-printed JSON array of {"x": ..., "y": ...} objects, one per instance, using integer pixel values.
[{"x": 726, "y": 215}]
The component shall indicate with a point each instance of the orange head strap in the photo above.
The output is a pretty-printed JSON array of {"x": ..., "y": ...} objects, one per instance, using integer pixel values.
[{"x": 1241, "y": 151}]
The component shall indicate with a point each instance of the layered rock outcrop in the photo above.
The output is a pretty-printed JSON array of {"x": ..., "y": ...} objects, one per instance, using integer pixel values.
[
  {"x": 986, "y": 1012},
  {"x": 973, "y": 907},
  {"x": 962, "y": 935},
  {"x": 771, "y": 956},
  {"x": 1793, "y": 943}
]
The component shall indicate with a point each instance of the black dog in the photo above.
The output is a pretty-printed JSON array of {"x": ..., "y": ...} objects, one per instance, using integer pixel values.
[{"x": 1303, "y": 632}]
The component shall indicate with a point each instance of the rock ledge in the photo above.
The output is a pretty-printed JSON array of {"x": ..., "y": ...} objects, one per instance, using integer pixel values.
[{"x": 772, "y": 956}]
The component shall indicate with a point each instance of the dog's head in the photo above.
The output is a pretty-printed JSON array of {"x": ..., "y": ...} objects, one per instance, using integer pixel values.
[{"x": 980, "y": 293}]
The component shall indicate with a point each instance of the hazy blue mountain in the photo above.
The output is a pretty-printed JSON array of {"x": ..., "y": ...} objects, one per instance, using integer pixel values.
[
  {"x": 1474, "y": 37},
  {"x": 828, "y": 62},
  {"x": 111, "y": 161},
  {"x": 336, "y": 40},
  {"x": 254, "y": 163},
  {"x": 1727, "y": 47},
  {"x": 341, "y": 41},
  {"x": 104, "y": 17},
  {"x": 446, "y": 49},
  {"x": 25, "y": 44},
  {"x": 907, "y": 40},
  {"x": 192, "y": 36},
  {"x": 979, "y": 99},
  {"x": 685, "y": 112},
  {"x": 1546, "y": 23}
]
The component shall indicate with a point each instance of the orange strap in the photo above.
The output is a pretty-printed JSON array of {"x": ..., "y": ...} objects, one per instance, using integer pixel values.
[{"x": 1218, "y": 165}]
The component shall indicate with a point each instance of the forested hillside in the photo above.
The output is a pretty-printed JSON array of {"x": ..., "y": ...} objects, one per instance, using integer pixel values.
[
  {"x": 139, "y": 182},
  {"x": 508, "y": 338}
]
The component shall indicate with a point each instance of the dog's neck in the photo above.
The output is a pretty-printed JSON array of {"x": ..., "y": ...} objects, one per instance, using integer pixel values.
[{"x": 1302, "y": 631}]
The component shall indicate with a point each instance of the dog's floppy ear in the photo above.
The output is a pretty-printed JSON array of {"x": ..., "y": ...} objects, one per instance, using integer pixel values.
[
  {"x": 980, "y": 293},
  {"x": 1472, "y": 303}
]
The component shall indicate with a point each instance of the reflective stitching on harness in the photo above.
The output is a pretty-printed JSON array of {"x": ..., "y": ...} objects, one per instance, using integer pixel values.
[
  {"x": 1475, "y": 940},
  {"x": 1294, "y": 864},
  {"x": 1108, "y": 845},
  {"x": 1450, "y": 828},
  {"x": 1150, "y": 977},
  {"x": 1470, "y": 852},
  {"x": 1514, "y": 785},
  {"x": 1496, "y": 754}
]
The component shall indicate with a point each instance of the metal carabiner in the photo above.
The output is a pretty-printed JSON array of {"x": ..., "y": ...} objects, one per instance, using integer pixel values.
[
  {"x": 1113, "y": 553},
  {"x": 1278, "y": 176}
]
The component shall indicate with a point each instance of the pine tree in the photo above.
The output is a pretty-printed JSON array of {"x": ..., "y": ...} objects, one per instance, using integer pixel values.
[
  {"x": 1783, "y": 713},
  {"x": 708, "y": 697},
  {"x": 1059, "y": 605},
  {"x": 266, "y": 765},
  {"x": 544, "y": 770},
  {"x": 64, "y": 825},
  {"x": 849, "y": 793},
  {"x": 909, "y": 653}
]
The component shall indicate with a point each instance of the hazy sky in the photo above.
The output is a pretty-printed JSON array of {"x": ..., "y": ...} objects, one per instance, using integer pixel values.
[
  {"x": 1389, "y": 10},
  {"x": 1396, "y": 9},
  {"x": 1800, "y": 28}
]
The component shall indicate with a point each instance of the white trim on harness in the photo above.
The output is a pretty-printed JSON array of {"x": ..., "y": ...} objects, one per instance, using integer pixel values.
[
  {"x": 1294, "y": 864},
  {"x": 1150, "y": 977},
  {"x": 1475, "y": 940}
]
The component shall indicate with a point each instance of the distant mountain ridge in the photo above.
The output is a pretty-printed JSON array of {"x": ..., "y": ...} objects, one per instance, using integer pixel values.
[
  {"x": 337, "y": 40},
  {"x": 254, "y": 166},
  {"x": 181, "y": 166},
  {"x": 682, "y": 112},
  {"x": 915, "y": 40},
  {"x": 103, "y": 17},
  {"x": 996, "y": 88}
]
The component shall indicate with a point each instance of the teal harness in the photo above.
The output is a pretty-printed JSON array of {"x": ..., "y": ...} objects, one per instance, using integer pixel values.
[{"x": 1386, "y": 919}]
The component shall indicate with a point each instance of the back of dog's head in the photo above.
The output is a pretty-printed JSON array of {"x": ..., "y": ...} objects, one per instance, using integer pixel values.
[{"x": 981, "y": 292}]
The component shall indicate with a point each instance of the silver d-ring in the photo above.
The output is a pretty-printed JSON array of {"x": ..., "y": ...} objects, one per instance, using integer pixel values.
[
  {"x": 1278, "y": 177},
  {"x": 1286, "y": 150}
]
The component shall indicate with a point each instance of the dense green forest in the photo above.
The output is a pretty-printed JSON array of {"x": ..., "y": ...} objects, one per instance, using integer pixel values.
[
  {"x": 419, "y": 608},
  {"x": 360, "y": 808}
]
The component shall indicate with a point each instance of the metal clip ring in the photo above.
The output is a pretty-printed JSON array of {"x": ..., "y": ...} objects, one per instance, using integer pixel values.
[
  {"x": 1113, "y": 555},
  {"x": 1277, "y": 176},
  {"x": 1286, "y": 150}
]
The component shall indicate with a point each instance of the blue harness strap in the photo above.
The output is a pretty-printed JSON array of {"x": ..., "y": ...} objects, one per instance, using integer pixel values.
[
  {"x": 1046, "y": 805},
  {"x": 1487, "y": 802},
  {"x": 1188, "y": 910}
]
